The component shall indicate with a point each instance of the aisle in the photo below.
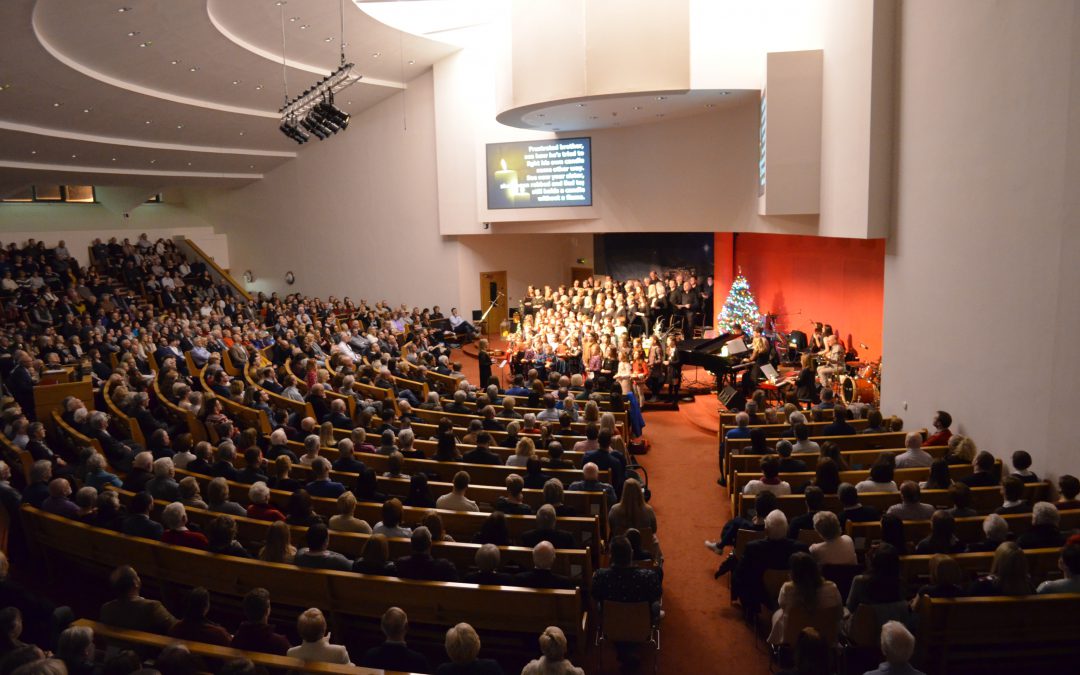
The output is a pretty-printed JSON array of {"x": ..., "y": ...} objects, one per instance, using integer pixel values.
[{"x": 702, "y": 632}]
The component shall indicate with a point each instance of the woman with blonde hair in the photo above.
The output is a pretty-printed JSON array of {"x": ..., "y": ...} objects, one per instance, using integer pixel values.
[
  {"x": 1008, "y": 574},
  {"x": 278, "y": 547},
  {"x": 345, "y": 520},
  {"x": 607, "y": 422},
  {"x": 631, "y": 511},
  {"x": 326, "y": 435},
  {"x": 592, "y": 412},
  {"x": 962, "y": 450},
  {"x": 524, "y": 451},
  {"x": 553, "y": 659}
]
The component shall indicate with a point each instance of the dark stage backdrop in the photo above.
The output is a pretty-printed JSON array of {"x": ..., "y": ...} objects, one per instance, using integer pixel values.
[{"x": 634, "y": 255}]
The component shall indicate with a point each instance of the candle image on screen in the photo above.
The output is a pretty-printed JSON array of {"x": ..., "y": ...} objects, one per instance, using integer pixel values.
[{"x": 531, "y": 174}]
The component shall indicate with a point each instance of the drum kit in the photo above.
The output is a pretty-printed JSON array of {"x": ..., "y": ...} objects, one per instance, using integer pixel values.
[{"x": 861, "y": 384}]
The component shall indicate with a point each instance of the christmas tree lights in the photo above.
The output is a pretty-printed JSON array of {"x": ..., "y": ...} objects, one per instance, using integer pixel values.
[{"x": 740, "y": 308}]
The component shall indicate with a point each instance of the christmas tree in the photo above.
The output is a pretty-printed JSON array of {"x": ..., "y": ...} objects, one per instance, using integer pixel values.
[{"x": 740, "y": 308}]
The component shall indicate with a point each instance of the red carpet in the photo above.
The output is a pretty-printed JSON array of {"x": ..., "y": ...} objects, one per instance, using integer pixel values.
[{"x": 702, "y": 632}]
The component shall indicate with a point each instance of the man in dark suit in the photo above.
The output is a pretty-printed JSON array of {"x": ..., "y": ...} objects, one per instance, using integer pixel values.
[
  {"x": 394, "y": 654},
  {"x": 541, "y": 576},
  {"x": 140, "y": 474},
  {"x": 545, "y": 531},
  {"x": 851, "y": 509},
  {"x": 338, "y": 417},
  {"x": 487, "y": 561},
  {"x": 985, "y": 474},
  {"x": 321, "y": 485},
  {"x": 788, "y": 464},
  {"x": 771, "y": 553},
  {"x": 37, "y": 491},
  {"x": 21, "y": 384},
  {"x": 255, "y": 633},
  {"x": 482, "y": 454},
  {"x": 319, "y": 403},
  {"x": 347, "y": 461},
  {"x": 815, "y": 500},
  {"x": 421, "y": 565},
  {"x": 839, "y": 425},
  {"x": 607, "y": 459},
  {"x": 224, "y": 466},
  {"x": 254, "y": 470},
  {"x": 138, "y": 523},
  {"x": 140, "y": 410}
]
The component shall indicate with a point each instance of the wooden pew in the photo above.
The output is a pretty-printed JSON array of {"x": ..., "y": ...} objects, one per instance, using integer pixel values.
[
  {"x": 956, "y": 471},
  {"x": 133, "y": 429},
  {"x": 892, "y": 439},
  {"x": 984, "y": 499},
  {"x": 495, "y": 608},
  {"x": 461, "y": 525},
  {"x": 621, "y": 418},
  {"x": 855, "y": 459},
  {"x": 1042, "y": 564},
  {"x": 1034, "y": 633},
  {"x": 106, "y": 635},
  {"x": 573, "y": 563},
  {"x": 585, "y": 503},
  {"x": 185, "y": 418},
  {"x": 19, "y": 460},
  {"x": 967, "y": 529},
  {"x": 76, "y": 438},
  {"x": 776, "y": 431},
  {"x": 727, "y": 418},
  {"x": 278, "y": 401},
  {"x": 244, "y": 416}
]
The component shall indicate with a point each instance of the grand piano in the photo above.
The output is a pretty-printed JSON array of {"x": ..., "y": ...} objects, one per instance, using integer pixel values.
[{"x": 707, "y": 354}]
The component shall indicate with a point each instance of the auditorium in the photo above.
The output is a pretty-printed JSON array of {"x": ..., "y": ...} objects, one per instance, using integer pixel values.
[{"x": 506, "y": 336}]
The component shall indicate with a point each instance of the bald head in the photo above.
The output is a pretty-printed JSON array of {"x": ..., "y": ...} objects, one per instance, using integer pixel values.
[
  {"x": 543, "y": 555},
  {"x": 590, "y": 471}
]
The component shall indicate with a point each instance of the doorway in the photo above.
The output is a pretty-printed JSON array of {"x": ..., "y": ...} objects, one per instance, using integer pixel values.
[
  {"x": 493, "y": 289},
  {"x": 580, "y": 274}
]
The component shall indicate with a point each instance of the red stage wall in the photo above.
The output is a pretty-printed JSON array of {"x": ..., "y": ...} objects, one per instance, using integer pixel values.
[{"x": 831, "y": 280}]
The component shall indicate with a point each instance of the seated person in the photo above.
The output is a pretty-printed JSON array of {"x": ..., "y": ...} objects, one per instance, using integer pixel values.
[
  {"x": 541, "y": 576},
  {"x": 420, "y": 564},
  {"x": 487, "y": 564},
  {"x": 195, "y": 626},
  {"x": 1069, "y": 564},
  {"x": 1069, "y": 486},
  {"x": 1021, "y": 461},
  {"x": 788, "y": 464},
  {"x": 512, "y": 502},
  {"x": 835, "y": 548},
  {"x": 942, "y": 537},
  {"x": 592, "y": 483},
  {"x": 463, "y": 649},
  {"x": 175, "y": 520},
  {"x": 910, "y": 506},
  {"x": 913, "y": 455},
  {"x": 942, "y": 434},
  {"x": 546, "y": 530},
  {"x": 317, "y": 555},
  {"x": 881, "y": 476},
  {"x": 1008, "y": 574},
  {"x": 985, "y": 474},
  {"x": 945, "y": 579},
  {"x": 995, "y": 531},
  {"x": 255, "y": 633},
  {"x": 897, "y": 645},
  {"x": 803, "y": 444},
  {"x": 1044, "y": 531},
  {"x": 315, "y": 645},
  {"x": 393, "y": 653},
  {"x": 815, "y": 501},
  {"x": 770, "y": 470},
  {"x": 771, "y": 553},
  {"x": 808, "y": 591},
  {"x": 742, "y": 427},
  {"x": 839, "y": 425},
  {"x": 764, "y": 504},
  {"x": 961, "y": 499},
  {"x": 321, "y": 485},
  {"x": 623, "y": 582},
  {"x": 851, "y": 509},
  {"x": 881, "y": 585},
  {"x": 456, "y": 500},
  {"x": 1012, "y": 490},
  {"x": 132, "y": 611}
]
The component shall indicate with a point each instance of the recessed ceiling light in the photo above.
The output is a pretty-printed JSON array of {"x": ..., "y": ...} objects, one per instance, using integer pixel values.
[
  {"x": 348, "y": 102},
  {"x": 329, "y": 39},
  {"x": 724, "y": 93},
  {"x": 179, "y": 126},
  {"x": 86, "y": 110},
  {"x": 114, "y": 159},
  {"x": 123, "y": 9},
  {"x": 175, "y": 62},
  {"x": 149, "y": 121},
  {"x": 376, "y": 55},
  {"x": 294, "y": 19},
  {"x": 258, "y": 87},
  {"x": 637, "y": 107},
  {"x": 153, "y": 161},
  {"x": 251, "y": 166},
  {"x": 411, "y": 61},
  {"x": 582, "y": 105},
  {"x": 146, "y": 44},
  {"x": 661, "y": 98},
  {"x": 132, "y": 33},
  {"x": 305, "y": 26},
  {"x": 74, "y": 156},
  {"x": 57, "y": 105},
  {"x": 710, "y": 105},
  {"x": 241, "y": 133},
  {"x": 193, "y": 68},
  {"x": 235, "y": 82},
  {"x": 279, "y": 3},
  {"x": 33, "y": 152},
  {"x": 189, "y": 163}
]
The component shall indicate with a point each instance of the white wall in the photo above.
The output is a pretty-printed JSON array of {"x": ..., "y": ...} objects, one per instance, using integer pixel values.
[
  {"x": 355, "y": 215},
  {"x": 982, "y": 286}
]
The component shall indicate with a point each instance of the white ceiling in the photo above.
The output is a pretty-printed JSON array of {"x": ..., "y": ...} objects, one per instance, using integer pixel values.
[{"x": 82, "y": 100}]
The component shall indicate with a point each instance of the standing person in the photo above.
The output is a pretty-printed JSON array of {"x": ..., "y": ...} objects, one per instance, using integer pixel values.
[
  {"x": 655, "y": 381},
  {"x": 484, "y": 360},
  {"x": 673, "y": 362}
]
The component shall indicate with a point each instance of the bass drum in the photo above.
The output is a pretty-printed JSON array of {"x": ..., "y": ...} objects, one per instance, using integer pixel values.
[{"x": 857, "y": 390}]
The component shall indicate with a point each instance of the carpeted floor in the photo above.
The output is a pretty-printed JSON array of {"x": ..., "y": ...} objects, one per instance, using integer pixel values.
[{"x": 701, "y": 632}]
